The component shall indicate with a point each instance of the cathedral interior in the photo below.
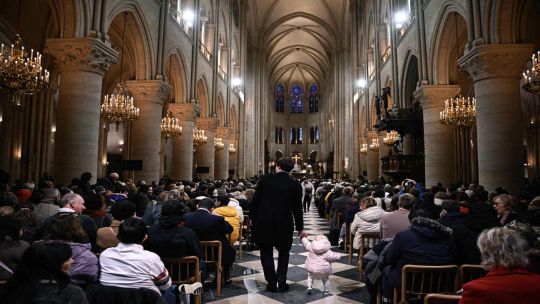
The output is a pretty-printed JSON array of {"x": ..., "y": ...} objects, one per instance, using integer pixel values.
[{"x": 434, "y": 90}]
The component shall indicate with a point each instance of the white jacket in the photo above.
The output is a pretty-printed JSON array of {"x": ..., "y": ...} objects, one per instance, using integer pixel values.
[{"x": 366, "y": 221}]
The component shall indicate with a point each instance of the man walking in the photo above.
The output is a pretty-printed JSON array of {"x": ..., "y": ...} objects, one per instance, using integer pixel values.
[
  {"x": 277, "y": 199},
  {"x": 307, "y": 194}
]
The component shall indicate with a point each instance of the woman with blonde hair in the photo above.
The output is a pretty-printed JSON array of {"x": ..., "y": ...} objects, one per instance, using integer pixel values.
[{"x": 367, "y": 220}]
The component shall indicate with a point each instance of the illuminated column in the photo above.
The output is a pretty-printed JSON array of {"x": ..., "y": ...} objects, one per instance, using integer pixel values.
[
  {"x": 81, "y": 63},
  {"x": 205, "y": 153},
  {"x": 182, "y": 160},
  {"x": 145, "y": 141},
  {"x": 496, "y": 70}
]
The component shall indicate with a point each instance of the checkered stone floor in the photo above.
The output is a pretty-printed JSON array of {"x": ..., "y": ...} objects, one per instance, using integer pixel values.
[{"x": 249, "y": 285}]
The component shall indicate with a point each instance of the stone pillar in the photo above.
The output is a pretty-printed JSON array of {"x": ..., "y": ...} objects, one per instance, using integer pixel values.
[
  {"x": 221, "y": 170},
  {"x": 496, "y": 70},
  {"x": 145, "y": 141},
  {"x": 372, "y": 157},
  {"x": 182, "y": 160},
  {"x": 81, "y": 63},
  {"x": 206, "y": 152},
  {"x": 233, "y": 156},
  {"x": 363, "y": 158},
  {"x": 383, "y": 151},
  {"x": 407, "y": 144},
  {"x": 440, "y": 159}
]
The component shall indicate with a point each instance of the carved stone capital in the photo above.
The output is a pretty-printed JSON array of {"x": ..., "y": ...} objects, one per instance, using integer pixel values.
[
  {"x": 496, "y": 60},
  {"x": 207, "y": 123},
  {"x": 431, "y": 96},
  {"x": 185, "y": 111},
  {"x": 88, "y": 54},
  {"x": 224, "y": 132},
  {"x": 156, "y": 91}
]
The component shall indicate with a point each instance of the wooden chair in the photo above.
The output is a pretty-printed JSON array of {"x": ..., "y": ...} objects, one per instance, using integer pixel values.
[
  {"x": 348, "y": 240},
  {"x": 184, "y": 270},
  {"x": 419, "y": 280},
  {"x": 438, "y": 298},
  {"x": 212, "y": 258},
  {"x": 469, "y": 272},
  {"x": 367, "y": 241}
]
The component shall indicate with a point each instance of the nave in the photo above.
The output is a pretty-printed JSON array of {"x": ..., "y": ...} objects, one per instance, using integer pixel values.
[{"x": 249, "y": 285}]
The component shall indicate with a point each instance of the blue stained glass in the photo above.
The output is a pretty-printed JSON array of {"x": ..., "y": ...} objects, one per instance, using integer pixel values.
[
  {"x": 316, "y": 134},
  {"x": 297, "y": 99}
]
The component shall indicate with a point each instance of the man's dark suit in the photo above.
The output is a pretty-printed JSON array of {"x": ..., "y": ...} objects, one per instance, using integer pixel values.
[
  {"x": 211, "y": 227},
  {"x": 277, "y": 199}
]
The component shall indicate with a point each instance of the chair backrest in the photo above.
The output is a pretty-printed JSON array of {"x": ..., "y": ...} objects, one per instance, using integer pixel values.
[
  {"x": 437, "y": 298},
  {"x": 183, "y": 270},
  {"x": 419, "y": 280},
  {"x": 368, "y": 240},
  {"x": 469, "y": 272},
  {"x": 99, "y": 294},
  {"x": 212, "y": 252}
]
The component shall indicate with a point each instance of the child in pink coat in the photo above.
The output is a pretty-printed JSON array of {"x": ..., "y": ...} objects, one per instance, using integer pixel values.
[{"x": 318, "y": 262}]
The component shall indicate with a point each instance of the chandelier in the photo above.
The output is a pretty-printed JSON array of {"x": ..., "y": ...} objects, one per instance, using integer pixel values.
[
  {"x": 21, "y": 73},
  {"x": 232, "y": 149},
  {"x": 118, "y": 107},
  {"x": 170, "y": 126},
  {"x": 391, "y": 137},
  {"x": 218, "y": 143},
  {"x": 532, "y": 76},
  {"x": 363, "y": 149},
  {"x": 459, "y": 112},
  {"x": 374, "y": 144},
  {"x": 198, "y": 137}
]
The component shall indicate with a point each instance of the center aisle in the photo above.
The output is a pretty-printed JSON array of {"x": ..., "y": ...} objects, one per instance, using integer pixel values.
[{"x": 249, "y": 285}]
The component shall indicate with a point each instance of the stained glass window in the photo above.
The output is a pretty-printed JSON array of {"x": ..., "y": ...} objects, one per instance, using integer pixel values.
[
  {"x": 313, "y": 99},
  {"x": 280, "y": 99},
  {"x": 297, "y": 99}
]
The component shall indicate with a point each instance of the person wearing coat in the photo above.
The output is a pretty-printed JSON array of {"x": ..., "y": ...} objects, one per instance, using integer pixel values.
[
  {"x": 230, "y": 214},
  {"x": 319, "y": 261},
  {"x": 368, "y": 220},
  {"x": 504, "y": 253},
  {"x": 211, "y": 227},
  {"x": 277, "y": 200},
  {"x": 426, "y": 242}
]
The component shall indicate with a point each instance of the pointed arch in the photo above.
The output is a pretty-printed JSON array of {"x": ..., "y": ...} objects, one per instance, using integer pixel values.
[
  {"x": 175, "y": 69},
  {"x": 220, "y": 110},
  {"x": 409, "y": 79},
  {"x": 202, "y": 96}
]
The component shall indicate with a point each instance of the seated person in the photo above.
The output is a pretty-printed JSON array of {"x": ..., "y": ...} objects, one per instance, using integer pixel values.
[
  {"x": 230, "y": 214},
  {"x": 11, "y": 246},
  {"x": 368, "y": 220},
  {"x": 211, "y": 227},
  {"x": 67, "y": 227},
  {"x": 169, "y": 238},
  {"x": 43, "y": 276},
  {"x": 106, "y": 236},
  {"x": 128, "y": 265},
  {"x": 503, "y": 252},
  {"x": 425, "y": 242}
]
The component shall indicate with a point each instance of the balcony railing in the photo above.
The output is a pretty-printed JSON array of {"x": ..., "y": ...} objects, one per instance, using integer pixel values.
[
  {"x": 222, "y": 73},
  {"x": 205, "y": 52},
  {"x": 386, "y": 55},
  {"x": 177, "y": 16}
]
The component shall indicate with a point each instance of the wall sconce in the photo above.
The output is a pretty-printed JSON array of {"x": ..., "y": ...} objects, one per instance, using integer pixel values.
[
  {"x": 121, "y": 145},
  {"x": 188, "y": 17},
  {"x": 374, "y": 144},
  {"x": 400, "y": 18},
  {"x": 361, "y": 85},
  {"x": 236, "y": 83}
]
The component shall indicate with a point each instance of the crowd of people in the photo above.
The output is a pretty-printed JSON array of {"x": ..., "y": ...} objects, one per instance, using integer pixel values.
[{"x": 58, "y": 242}]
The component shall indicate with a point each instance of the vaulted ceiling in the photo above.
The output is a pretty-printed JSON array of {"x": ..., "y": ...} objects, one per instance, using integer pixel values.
[{"x": 298, "y": 37}]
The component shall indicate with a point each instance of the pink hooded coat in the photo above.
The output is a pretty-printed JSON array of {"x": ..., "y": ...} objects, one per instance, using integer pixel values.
[{"x": 320, "y": 256}]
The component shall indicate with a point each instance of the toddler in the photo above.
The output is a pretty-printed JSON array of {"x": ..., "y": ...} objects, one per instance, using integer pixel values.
[{"x": 318, "y": 262}]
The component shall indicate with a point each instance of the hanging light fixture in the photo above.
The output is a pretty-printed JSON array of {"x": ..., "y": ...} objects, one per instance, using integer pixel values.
[
  {"x": 170, "y": 126},
  {"x": 118, "y": 107},
  {"x": 363, "y": 149},
  {"x": 21, "y": 73},
  {"x": 232, "y": 149},
  {"x": 391, "y": 137},
  {"x": 198, "y": 137},
  {"x": 532, "y": 76},
  {"x": 374, "y": 144},
  {"x": 218, "y": 143},
  {"x": 459, "y": 112}
]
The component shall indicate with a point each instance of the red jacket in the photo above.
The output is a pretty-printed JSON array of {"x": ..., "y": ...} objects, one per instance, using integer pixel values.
[{"x": 504, "y": 286}]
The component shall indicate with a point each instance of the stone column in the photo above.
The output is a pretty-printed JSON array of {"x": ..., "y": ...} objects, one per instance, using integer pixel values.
[
  {"x": 233, "y": 156},
  {"x": 221, "y": 170},
  {"x": 205, "y": 153},
  {"x": 372, "y": 157},
  {"x": 182, "y": 160},
  {"x": 496, "y": 70},
  {"x": 363, "y": 158},
  {"x": 440, "y": 160},
  {"x": 148, "y": 96},
  {"x": 81, "y": 63}
]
